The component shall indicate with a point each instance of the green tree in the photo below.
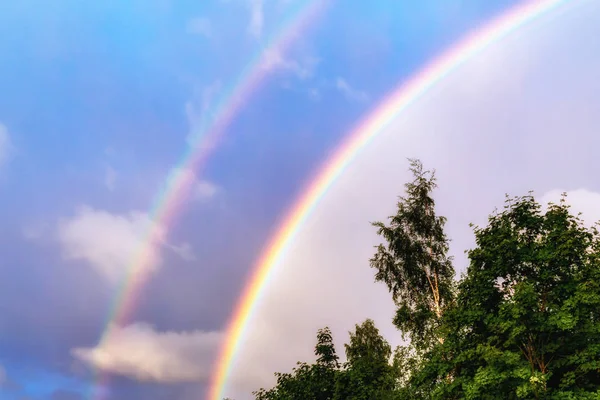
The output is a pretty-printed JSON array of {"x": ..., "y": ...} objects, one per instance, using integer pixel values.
[
  {"x": 368, "y": 374},
  {"x": 414, "y": 263},
  {"x": 308, "y": 381},
  {"x": 527, "y": 318}
]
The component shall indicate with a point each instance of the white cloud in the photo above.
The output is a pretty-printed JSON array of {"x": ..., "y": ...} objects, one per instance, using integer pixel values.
[
  {"x": 200, "y": 26},
  {"x": 184, "y": 251},
  {"x": 205, "y": 190},
  {"x": 348, "y": 91},
  {"x": 110, "y": 243},
  {"x": 35, "y": 230},
  {"x": 314, "y": 94},
  {"x": 110, "y": 178},
  {"x": 6, "y": 147},
  {"x": 200, "y": 190},
  {"x": 522, "y": 115},
  {"x": 255, "y": 26},
  {"x": 139, "y": 352},
  {"x": 198, "y": 113},
  {"x": 274, "y": 60}
]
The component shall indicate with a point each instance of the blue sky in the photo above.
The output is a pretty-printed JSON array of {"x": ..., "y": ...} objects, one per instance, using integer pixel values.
[{"x": 93, "y": 113}]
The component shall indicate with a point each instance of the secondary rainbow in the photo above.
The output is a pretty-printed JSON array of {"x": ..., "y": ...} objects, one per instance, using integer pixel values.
[
  {"x": 168, "y": 201},
  {"x": 395, "y": 103}
]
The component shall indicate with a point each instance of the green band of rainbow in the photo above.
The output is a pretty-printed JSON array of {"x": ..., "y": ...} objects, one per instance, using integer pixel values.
[{"x": 394, "y": 104}]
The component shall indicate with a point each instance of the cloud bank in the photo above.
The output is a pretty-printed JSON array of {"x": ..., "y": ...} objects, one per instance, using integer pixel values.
[
  {"x": 112, "y": 244},
  {"x": 141, "y": 353},
  {"x": 108, "y": 242}
]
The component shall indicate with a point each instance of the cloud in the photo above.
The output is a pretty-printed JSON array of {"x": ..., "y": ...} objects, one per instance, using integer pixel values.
[
  {"x": 2, "y": 375},
  {"x": 6, "y": 148},
  {"x": 200, "y": 190},
  {"x": 109, "y": 243},
  {"x": 139, "y": 352},
  {"x": 493, "y": 126},
  {"x": 274, "y": 60},
  {"x": 198, "y": 113},
  {"x": 348, "y": 91},
  {"x": 35, "y": 230},
  {"x": 205, "y": 189},
  {"x": 200, "y": 26},
  {"x": 110, "y": 178},
  {"x": 255, "y": 27},
  {"x": 184, "y": 251}
]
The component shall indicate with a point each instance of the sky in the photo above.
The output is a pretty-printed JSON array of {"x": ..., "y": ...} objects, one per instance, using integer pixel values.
[{"x": 101, "y": 102}]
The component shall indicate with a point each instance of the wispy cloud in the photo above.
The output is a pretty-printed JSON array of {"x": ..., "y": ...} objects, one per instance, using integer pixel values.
[
  {"x": 140, "y": 352},
  {"x": 184, "y": 251},
  {"x": 198, "y": 112},
  {"x": 110, "y": 178},
  {"x": 35, "y": 230},
  {"x": 6, "y": 147},
  {"x": 257, "y": 18},
  {"x": 351, "y": 93},
  {"x": 200, "y": 26},
  {"x": 109, "y": 242},
  {"x": 303, "y": 69},
  {"x": 205, "y": 190},
  {"x": 201, "y": 190}
]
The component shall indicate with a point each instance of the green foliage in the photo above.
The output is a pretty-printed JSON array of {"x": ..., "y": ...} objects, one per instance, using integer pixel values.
[
  {"x": 414, "y": 263},
  {"x": 526, "y": 323},
  {"x": 368, "y": 373},
  {"x": 522, "y": 323},
  {"x": 308, "y": 381}
]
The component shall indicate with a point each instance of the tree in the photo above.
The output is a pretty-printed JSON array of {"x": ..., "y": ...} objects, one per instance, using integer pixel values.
[
  {"x": 414, "y": 263},
  {"x": 368, "y": 374},
  {"x": 526, "y": 323},
  {"x": 308, "y": 381}
]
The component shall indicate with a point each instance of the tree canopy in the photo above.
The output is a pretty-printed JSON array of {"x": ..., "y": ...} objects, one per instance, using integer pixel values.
[{"x": 522, "y": 322}]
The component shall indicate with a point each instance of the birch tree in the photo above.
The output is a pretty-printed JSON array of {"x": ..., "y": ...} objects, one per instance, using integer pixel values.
[{"x": 413, "y": 262}]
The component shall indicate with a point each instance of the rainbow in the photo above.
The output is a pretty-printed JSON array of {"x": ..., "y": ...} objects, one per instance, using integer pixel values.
[
  {"x": 395, "y": 103},
  {"x": 169, "y": 199}
]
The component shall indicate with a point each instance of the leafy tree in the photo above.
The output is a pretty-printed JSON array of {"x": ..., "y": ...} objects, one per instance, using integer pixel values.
[
  {"x": 522, "y": 323},
  {"x": 527, "y": 318},
  {"x": 414, "y": 263},
  {"x": 368, "y": 374},
  {"x": 308, "y": 381}
]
